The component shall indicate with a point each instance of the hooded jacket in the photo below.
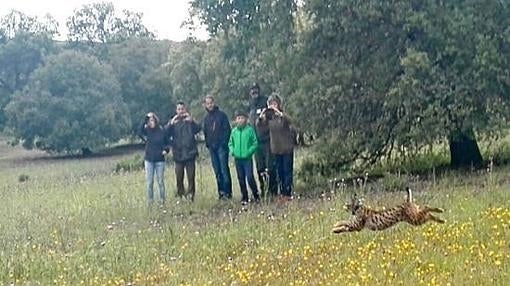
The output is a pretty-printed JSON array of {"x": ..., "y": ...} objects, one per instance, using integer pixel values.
[
  {"x": 184, "y": 145},
  {"x": 281, "y": 133},
  {"x": 243, "y": 142}
]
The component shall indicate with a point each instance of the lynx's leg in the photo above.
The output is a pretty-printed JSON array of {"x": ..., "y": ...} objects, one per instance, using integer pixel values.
[
  {"x": 345, "y": 226},
  {"x": 436, "y": 210},
  {"x": 340, "y": 229},
  {"x": 341, "y": 223},
  {"x": 436, "y": 219},
  {"x": 341, "y": 226}
]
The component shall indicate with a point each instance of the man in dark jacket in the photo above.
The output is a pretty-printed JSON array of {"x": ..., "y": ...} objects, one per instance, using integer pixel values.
[
  {"x": 263, "y": 158},
  {"x": 182, "y": 129},
  {"x": 216, "y": 127}
]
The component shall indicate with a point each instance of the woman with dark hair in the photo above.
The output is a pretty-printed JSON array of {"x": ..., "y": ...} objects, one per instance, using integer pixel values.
[{"x": 157, "y": 145}]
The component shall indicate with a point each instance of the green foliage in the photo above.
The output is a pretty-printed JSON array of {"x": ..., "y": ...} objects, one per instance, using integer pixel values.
[
  {"x": 16, "y": 22},
  {"x": 252, "y": 42},
  {"x": 24, "y": 42},
  {"x": 185, "y": 73},
  {"x": 376, "y": 75},
  {"x": 498, "y": 153},
  {"x": 424, "y": 162},
  {"x": 134, "y": 163},
  {"x": 100, "y": 23},
  {"x": 394, "y": 182},
  {"x": 70, "y": 103},
  {"x": 21, "y": 55},
  {"x": 138, "y": 64},
  {"x": 387, "y": 75}
]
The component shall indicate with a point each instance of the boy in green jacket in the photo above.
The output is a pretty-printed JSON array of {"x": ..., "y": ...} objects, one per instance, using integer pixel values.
[{"x": 242, "y": 145}]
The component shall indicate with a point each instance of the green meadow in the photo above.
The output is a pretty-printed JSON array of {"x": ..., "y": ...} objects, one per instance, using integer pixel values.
[{"x": 70, "y": 221}]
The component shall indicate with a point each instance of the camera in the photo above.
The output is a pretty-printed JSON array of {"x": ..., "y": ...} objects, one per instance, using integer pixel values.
[{"x": 269, "y": 113}]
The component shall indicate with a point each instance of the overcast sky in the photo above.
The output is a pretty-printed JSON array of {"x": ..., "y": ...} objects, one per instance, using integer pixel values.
[{"x": 163, "y": 17}]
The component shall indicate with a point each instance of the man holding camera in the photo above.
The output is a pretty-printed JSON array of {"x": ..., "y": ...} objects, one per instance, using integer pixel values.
[
  {"x": 182, "y": 129},
  {"x": 263, "y": 159},
  {"x": 281, "y": 144}
]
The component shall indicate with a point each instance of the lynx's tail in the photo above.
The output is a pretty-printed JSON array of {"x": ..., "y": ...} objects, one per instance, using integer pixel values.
[{"x": 409, "y": 195}]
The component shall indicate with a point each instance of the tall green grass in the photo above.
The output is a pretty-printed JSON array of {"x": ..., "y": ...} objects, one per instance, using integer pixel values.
[{"x": 78, "y": 222}]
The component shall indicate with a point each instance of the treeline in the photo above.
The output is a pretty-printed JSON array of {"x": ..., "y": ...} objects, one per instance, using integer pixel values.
[
  {"x": 371, "y": 79},
  {"x": 87, "y": 91}
]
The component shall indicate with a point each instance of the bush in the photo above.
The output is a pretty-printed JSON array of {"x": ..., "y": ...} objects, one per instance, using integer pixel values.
[
  {"x": 422, "y": 163},
  {"x": 23, "y": 178},
  {"x": 71, "y": 102},
  {"x": 500, "y": 154},
  {"x": 394, "y": 182},
  {"x": 134, "y": 163}
]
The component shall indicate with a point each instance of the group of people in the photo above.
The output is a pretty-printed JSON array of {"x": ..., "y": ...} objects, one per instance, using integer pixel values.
[{"x": 266, "y": 133}]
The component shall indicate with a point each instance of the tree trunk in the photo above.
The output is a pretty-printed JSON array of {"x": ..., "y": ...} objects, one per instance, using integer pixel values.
[{"x": 464, "y": 151}]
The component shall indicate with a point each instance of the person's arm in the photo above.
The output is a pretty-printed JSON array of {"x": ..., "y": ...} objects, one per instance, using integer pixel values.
[
  {"x": 289, "y": 122},
  {"x": 225, "y": 127},
  {"x": 195, "y": 127},
  {"x": 287, "y": 118},
  {"x": 142, "y": 132},
  {"x": 231, "y": 144},
  {"x": 169, "y": 133},
  {"x": 254, "y": 144},
  {"x": 204, "y": 129},
  {"x": 167, "y": 142},
  {"x": 261, "y": 120}
]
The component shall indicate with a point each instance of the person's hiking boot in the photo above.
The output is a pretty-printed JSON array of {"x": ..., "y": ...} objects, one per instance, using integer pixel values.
[{"x": 224, "y": 197}]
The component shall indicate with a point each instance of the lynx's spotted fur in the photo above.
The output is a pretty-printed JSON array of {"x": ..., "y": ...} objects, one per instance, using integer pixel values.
[{"x": 365, "y": 217}]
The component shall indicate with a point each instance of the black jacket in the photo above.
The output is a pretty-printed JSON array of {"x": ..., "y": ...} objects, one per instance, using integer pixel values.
[
  {"x": 216, "y": 127},
  {"x": 258, "y": 104},
  {"x": 184, "y": 145},
  {"x": 156, "y": 140}
]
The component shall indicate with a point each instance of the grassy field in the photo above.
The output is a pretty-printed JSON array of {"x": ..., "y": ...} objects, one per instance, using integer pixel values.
[{"x": 75, "y": 222}]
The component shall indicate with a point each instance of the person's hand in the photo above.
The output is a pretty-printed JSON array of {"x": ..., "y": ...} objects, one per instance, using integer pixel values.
[
  {"x": 174, "y": 119},
  {"x": 262, "y": 114},
  {"x": 145, "y": 126},
  {"x": 276, "y": 110},
  {"x": 164, "y": 152},
  {"x": 188, "y": 117}
]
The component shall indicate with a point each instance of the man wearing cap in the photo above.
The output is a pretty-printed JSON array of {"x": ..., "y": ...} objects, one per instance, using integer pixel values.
[{"x": 263, "y": 158}]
